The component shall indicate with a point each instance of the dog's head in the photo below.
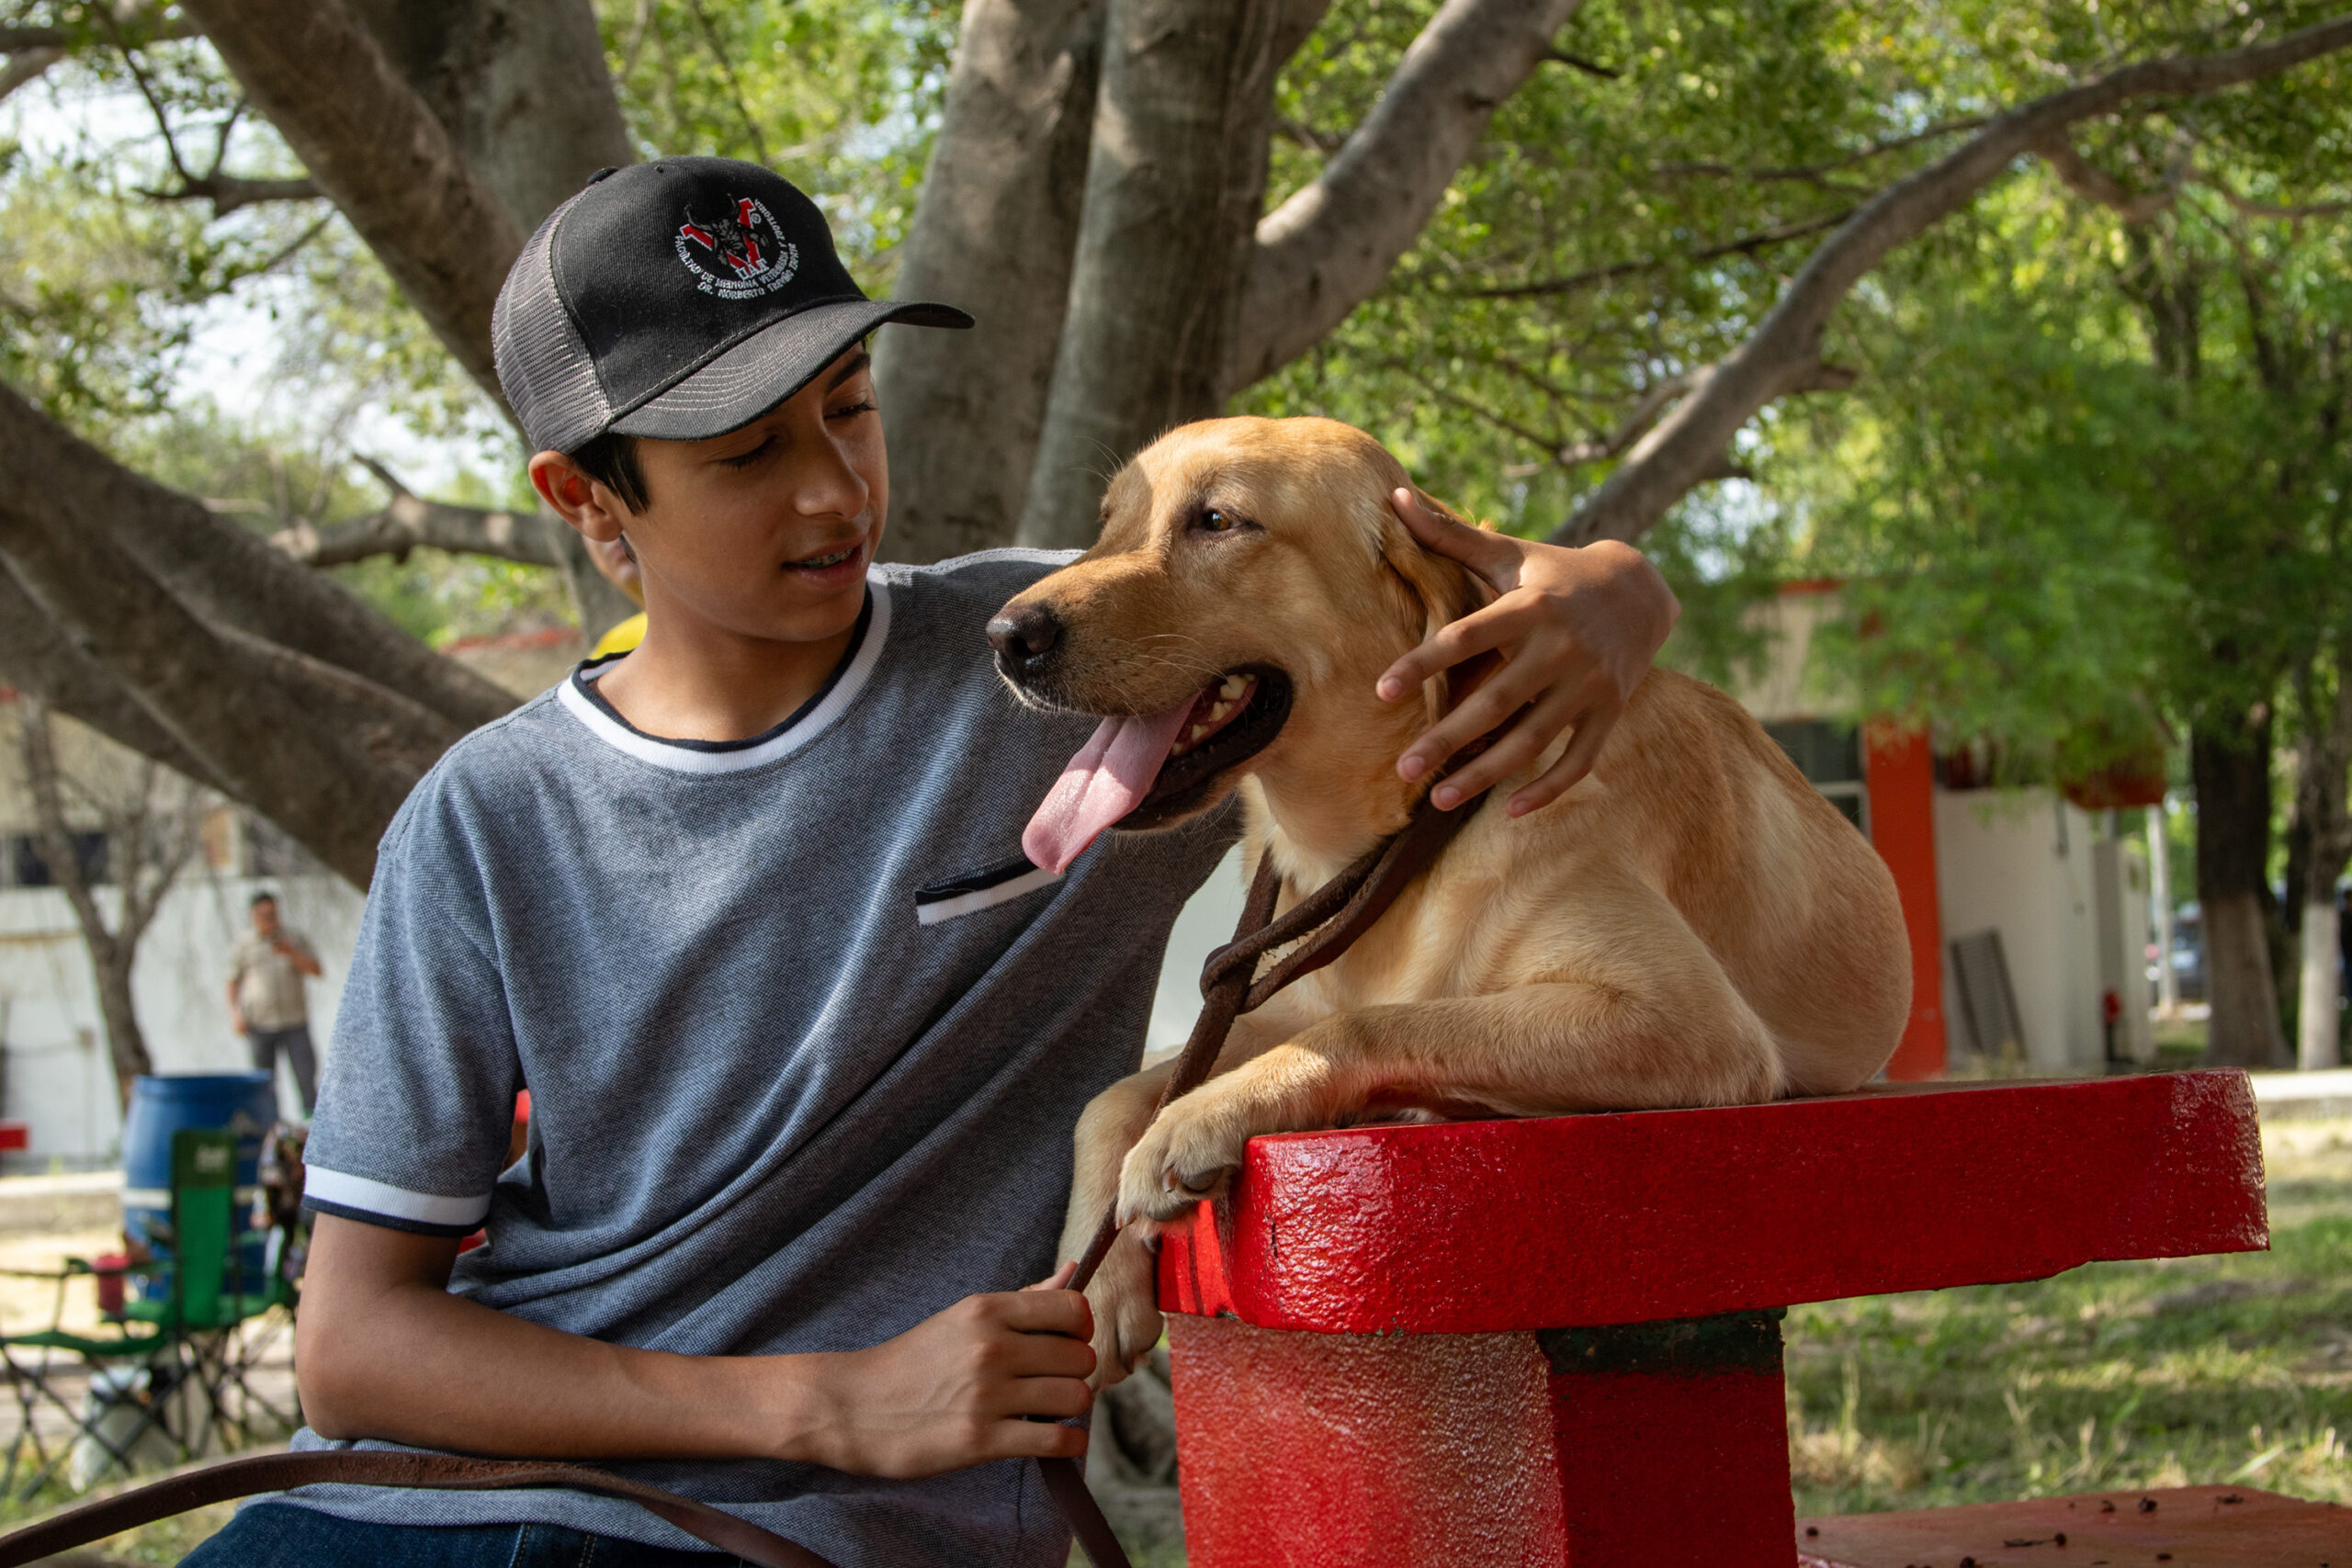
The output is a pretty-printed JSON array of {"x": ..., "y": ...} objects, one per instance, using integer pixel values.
[{"x": 1250, "y": 583}]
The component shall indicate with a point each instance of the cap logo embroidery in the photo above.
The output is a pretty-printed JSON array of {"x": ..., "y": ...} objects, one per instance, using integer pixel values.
[{"x": 741, "y": 255}]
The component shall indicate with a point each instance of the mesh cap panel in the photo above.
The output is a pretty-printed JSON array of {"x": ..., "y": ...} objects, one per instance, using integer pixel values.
[{"x": 543, "y": 367}]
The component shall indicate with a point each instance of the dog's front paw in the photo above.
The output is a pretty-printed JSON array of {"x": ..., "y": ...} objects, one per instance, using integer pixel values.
[
  {"x": 1125, "y": 1297},
  {"x": 1183, "y": 1157}
]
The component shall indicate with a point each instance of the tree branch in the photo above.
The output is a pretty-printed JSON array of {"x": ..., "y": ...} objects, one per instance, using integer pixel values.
[
  {"x": 373, "y": 146},
  {"x": 1328, "y": 247},
  {"x": 228, "y": 574},
  {"x": 27, "y": 65},
  {"x": 1578, "y": 62},
  {"x": 227, "y": 193},
  {"x": 408, "y": 521},
  {"x": 2087, "y": 180},
  {"x": 37, "y": 657},
  {"x": 1746, "y": 244},
  {"x": 13, "y": 39},
  {"x": 1813, "y": 173},
  {"x": 2260, "y": 209},
  {"x": 329, "y": 755},
  {"x": 1788, "y": 343}
]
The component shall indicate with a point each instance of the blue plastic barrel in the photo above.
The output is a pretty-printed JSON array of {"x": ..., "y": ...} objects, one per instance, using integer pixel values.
[{"x": 242, "y": 1103}]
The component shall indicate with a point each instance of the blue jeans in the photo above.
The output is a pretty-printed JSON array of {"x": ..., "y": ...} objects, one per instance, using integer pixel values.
[{"x": 285, "y": 1535}]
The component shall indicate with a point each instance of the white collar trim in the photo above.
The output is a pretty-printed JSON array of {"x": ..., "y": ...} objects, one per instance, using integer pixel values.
[{"x": 689, "y": 759}]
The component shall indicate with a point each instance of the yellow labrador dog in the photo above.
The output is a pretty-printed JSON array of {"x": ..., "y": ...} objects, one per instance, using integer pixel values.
[{"x": 1692, "y": 924}]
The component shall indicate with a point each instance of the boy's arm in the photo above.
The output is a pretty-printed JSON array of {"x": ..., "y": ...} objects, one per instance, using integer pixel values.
[
  {"x": 1577, "y": 629},
  {"x": 385, "y": 1351}
]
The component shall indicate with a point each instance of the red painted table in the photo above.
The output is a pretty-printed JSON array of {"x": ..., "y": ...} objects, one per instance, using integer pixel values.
[{"x": 1557, "y": 1342}]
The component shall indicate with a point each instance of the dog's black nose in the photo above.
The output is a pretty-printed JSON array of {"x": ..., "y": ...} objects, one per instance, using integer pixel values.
[{"x": 1025, "y": 636}]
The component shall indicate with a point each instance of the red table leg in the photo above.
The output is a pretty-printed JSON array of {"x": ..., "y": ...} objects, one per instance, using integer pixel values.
[
  {"x": 1673, "y": 1443},
  {"x": 1338, "y": 1450},
  {"x": 1654, "y": 1446}
]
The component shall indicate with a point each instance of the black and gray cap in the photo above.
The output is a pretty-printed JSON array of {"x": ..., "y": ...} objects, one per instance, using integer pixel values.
[{"x": 679, "y": 299}]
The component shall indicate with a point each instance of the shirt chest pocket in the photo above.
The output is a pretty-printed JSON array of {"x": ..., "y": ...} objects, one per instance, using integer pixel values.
[{"x": 984, "y": 889}]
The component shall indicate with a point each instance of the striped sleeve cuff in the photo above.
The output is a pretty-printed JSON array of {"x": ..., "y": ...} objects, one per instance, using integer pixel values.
[{"x": 382, "y": 1203}]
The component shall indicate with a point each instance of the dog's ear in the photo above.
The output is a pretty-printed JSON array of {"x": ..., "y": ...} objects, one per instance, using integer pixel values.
[{"x": 1436, "y": 590}]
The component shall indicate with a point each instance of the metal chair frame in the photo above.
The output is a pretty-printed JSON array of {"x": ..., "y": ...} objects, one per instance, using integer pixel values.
[{"x": 195, "y": 1339}]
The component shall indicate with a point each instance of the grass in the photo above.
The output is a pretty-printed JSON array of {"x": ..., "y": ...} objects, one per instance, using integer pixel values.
[{"x": 2166, "y": 1374}]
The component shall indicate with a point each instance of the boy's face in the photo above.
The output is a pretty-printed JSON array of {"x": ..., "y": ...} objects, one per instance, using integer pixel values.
[{"x": 764, "y": 531}]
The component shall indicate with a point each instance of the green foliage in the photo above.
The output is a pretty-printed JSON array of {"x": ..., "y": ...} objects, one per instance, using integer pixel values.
[
  {"x": 840, "y": 96},
  {"x": 2060, "y": 543},
  {"x": 1619, "y": 228},
  {"x": 1632, "y": 212},
  {"x": 106, "y": 292}
]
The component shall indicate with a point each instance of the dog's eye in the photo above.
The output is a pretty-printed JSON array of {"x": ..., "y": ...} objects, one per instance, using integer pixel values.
[{"x": 1216, "y": 521}]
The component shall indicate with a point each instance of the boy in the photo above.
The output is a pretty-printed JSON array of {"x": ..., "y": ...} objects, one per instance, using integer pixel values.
[{"x": 806, "y": 1037}]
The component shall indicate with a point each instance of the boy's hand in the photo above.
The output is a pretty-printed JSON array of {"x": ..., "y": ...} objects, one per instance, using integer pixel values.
[
  {"x": 957, "y": 1388},
  {"x": 1577, "y": 628}
]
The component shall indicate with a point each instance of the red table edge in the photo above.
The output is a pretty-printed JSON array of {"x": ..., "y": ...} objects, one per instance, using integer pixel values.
[{"x": 2166, "y": 1165}]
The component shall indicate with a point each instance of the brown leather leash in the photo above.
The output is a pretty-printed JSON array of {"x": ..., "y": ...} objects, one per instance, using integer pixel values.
[
  {"x": 1323, "y": 925},
  {"x": 441, "y": 1473}
]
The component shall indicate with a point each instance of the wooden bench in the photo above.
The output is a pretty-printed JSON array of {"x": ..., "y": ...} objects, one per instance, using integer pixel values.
[{"x": 1557, "y": 1341}]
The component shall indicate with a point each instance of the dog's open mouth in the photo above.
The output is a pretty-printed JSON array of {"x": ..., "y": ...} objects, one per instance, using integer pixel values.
[{"x": 1147, "y": 770}]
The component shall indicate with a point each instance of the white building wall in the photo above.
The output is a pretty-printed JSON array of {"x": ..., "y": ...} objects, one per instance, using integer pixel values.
[
  {"x": 2019, "y": 862},
  {"x": 59, "y": 1079}
]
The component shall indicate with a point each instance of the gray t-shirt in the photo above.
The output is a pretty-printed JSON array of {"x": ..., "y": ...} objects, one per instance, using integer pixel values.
[{"x": 805, "y": 1038}]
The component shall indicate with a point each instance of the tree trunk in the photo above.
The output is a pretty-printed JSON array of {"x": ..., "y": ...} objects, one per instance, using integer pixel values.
[
  {"x": 111, "y": 950},
  {"x": 1332, "y": 245},
  {"x": 2160, "y": 890},
  {"x": 2231, "y": 767},
  {"x": 2324, "y": 816},
  {"x": 993, "y": 234},
  {"x": 2316, "y": 1047},
  {"x": 1173, "y": 187},
  {"x": 394, "y": 169},
  {"x": 520, "y": 85},
  {"x": 126, "y": 1041}
]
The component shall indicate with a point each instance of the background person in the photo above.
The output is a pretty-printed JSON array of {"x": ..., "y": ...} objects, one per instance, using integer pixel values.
[{"x": 265, "y": 1000}]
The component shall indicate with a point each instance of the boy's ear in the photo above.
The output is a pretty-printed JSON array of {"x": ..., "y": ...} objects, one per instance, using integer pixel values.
[
  {"x": 1436, "y": 590},
  {"x": 575, "y": 498}
]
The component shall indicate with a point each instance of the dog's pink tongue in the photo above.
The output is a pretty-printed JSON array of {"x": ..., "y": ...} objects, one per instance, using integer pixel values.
[{"x": 1111, "y": 772}]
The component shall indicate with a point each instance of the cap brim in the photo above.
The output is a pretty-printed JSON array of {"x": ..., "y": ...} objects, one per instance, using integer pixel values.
[{"x": 769, "y": 367}]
